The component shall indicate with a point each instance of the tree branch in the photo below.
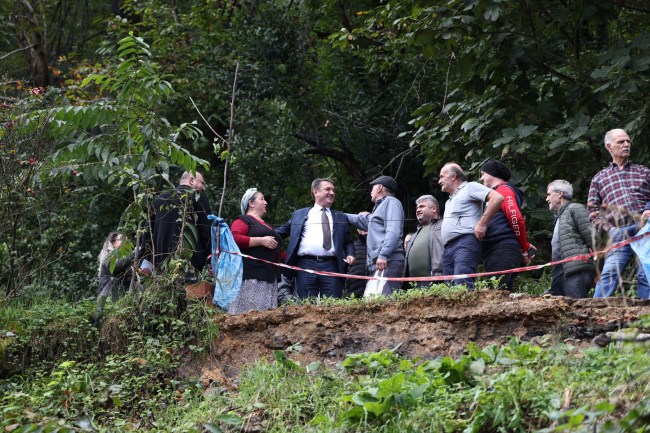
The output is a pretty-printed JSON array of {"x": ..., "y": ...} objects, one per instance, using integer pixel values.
[
  {"x": 4, "y": 56},
  {"x": 344, "y": 157},
  {"x": 230, "y": 135}
]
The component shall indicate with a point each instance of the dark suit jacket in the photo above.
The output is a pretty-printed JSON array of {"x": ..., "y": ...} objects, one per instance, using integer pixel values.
[
  {"x": 343, "y": 244},
  {"x": 165, "y": 221}
]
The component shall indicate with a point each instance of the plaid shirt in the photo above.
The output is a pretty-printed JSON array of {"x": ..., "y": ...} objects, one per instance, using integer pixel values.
[{"x": 627, "y": 188}]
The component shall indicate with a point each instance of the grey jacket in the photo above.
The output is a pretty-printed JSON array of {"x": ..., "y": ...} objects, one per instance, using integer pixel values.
[
  {"x": 436, "y": 248},
  {"x": 384, "y": 226},
  {"x": 575, "y": 237}
]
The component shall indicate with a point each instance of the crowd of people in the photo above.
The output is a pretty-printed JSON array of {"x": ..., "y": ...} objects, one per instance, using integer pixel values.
[{"x": 482, "y": 223}]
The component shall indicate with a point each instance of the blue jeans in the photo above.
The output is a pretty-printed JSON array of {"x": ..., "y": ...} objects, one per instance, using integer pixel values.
[
  {"x": 461, "y": 257},
  {"x": 616, "y": 262}
]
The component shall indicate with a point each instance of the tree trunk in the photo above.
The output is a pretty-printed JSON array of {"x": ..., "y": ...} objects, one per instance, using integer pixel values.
[{"x": 27, "y": 30}]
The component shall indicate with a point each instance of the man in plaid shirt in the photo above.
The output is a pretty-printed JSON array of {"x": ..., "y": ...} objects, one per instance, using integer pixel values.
[{"x": 619, "y": 203}]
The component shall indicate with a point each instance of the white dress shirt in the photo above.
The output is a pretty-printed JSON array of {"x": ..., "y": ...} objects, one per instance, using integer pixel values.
[{"x": 311, "y": 242}]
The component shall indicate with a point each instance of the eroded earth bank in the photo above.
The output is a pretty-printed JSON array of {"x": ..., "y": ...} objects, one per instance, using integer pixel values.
[{"x": 427, "y": 327}]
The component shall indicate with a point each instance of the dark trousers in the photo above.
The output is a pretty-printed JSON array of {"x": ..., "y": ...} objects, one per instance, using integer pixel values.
[
  {"x": 310, "y": 285},
  {"x": 576, "y": 285},
  {"x": 501, "y": 256},
  {"x": 461, "y": 257},
  {"x": 395, "y": 269},
  {"x": 557, "y": 284}
]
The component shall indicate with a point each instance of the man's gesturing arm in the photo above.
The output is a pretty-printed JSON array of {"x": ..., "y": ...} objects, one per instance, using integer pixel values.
[{"x": 494, "y": 201}]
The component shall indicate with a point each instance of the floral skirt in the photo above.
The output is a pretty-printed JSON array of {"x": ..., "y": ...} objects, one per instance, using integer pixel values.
[{"x": 255, "y": 295}]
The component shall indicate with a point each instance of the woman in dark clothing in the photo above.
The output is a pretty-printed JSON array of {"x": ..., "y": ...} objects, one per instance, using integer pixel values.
[
  {"x": 119, "y": 280},
  {"x": 256, "y": 238}
]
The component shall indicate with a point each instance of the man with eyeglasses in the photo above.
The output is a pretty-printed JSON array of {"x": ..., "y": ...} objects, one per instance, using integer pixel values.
[
  {"x": 572, "y": 236},
  {"x": 619, "y": 204}
]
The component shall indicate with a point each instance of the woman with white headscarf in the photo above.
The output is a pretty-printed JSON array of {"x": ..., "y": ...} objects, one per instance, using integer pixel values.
[{"x": 256, "y": 238}]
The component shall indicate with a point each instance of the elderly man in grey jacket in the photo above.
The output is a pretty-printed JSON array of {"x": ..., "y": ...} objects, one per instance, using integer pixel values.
[
  {"x": 384, "y": 226},
  {"x": 572, "y": 236}
]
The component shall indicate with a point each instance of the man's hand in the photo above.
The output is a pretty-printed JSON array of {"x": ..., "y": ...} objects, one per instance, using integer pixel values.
[
  {"x": 381, "y": 264},
  {"x": 350, "y": 260},
  {"x": 645, "y": 216},
  {"x": 479, "y": 231},
  {"x": 529, "y": 255}
]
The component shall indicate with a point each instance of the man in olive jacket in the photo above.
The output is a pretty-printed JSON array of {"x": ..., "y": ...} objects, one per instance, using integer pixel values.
[
  {"x": 425, "y": 249},
  {"x": 572, "y": 236}
]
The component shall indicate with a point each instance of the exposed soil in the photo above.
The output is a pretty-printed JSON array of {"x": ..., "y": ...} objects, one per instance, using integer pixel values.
[{"x": 427, "y": 327}]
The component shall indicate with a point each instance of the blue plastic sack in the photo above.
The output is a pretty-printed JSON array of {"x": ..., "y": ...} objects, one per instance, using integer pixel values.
[
  {"x": 642, "y": 249},
  {"x": 227, "y": 268}
]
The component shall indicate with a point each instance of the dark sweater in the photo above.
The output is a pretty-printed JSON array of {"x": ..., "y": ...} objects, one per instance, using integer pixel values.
[
  {"x": 118, "y": 281},
  {"x": 166, "y": 220},
  {"x": 254, "y": 269},
  {"x": 498, "y": 229}
]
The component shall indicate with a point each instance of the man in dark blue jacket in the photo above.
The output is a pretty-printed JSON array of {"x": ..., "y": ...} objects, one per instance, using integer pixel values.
[{"x": 319, "y": 240}]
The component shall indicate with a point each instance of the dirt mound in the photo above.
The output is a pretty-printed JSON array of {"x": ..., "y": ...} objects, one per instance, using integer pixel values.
[{"x": 426, "y": 327}]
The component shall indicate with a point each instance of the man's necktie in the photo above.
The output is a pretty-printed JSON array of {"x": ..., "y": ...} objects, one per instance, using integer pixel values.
[{"x": 327, "y": 232}]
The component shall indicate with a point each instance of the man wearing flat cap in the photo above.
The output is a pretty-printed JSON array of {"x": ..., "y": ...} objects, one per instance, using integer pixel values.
[
  {"x": 505, "y": 245},
  {"x": 384, "y": 226}
]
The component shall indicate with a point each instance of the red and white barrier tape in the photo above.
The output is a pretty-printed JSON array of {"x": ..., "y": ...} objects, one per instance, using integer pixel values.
[{"x": 583, "y": 257}]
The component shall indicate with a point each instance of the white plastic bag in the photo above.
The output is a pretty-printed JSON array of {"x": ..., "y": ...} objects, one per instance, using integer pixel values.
[{"x": 375, "y": 288}]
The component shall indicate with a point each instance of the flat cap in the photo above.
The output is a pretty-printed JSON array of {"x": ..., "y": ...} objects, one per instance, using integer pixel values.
[{"x": 386, "y": 181}]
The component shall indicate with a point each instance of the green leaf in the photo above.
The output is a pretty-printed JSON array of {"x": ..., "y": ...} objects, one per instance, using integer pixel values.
[
  {"x": 212, "y": 428},
  {"x": 230, "y": 419},
  {"x": 579, "y": 132},
  {"x": 469, "y": 124},
  {"x": 558, "y": 142},
  {"x": 313, "y": 366},
  {"x": 379, "y": 408}
]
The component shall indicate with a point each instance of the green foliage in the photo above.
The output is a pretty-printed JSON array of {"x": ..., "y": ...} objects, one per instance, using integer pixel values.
[
  {"x": 516, "y": 387},
  {"x": 60, "y": 364},
  {"x": 46, "y": 332},
  {"x": 133, "y": 382},
  {"x": 122, "y": 139}
]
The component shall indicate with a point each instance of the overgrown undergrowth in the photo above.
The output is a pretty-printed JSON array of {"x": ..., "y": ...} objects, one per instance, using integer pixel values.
[{"x": 67, "y": 369}]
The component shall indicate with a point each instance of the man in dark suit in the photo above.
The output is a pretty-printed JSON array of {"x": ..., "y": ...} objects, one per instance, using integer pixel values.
[{"x": 319, "y": 240}]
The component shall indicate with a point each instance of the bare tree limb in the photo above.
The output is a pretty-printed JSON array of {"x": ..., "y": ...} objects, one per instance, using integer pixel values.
[
  {"x": 230, "y": 135},
  {"x": 16, "y": 51},
  {"x": 206, "y": 122}
]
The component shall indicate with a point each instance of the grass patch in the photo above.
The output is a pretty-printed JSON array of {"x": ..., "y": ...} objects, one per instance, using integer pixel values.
[{"x": 516, "y": 387}]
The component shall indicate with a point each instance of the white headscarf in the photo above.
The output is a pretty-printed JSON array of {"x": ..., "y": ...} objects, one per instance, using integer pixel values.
[{"x": 250, "y": 192}]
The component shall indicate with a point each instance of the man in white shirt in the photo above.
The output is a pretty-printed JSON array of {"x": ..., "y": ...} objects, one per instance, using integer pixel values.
[{"x": 319, "y": 240}]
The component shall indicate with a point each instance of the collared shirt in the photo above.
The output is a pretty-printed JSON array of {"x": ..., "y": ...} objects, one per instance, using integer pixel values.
[
  {"x": 311, "y": 242},
  {"x": 628, "y": 188},
  {"x": 463, "y": 210}
]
